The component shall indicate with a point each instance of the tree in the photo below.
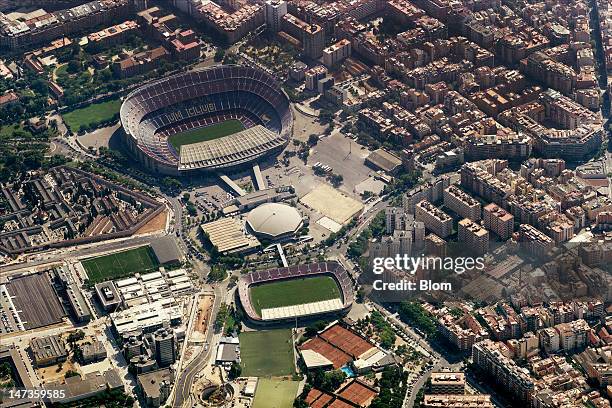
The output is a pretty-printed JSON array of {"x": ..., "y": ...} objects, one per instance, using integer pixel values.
[
  {"x": 235, "y": 371},
  {"x": 326, "y": 116},
  {"x": 300, "y": 403},
  {"x": 71, "y": 373},
  {"x": 392, "y": 388},
  {"x": 217, "y": 273},
  {"x": 74, "y": 66},
  {"x": 336, "y": 179},
  {"x": 313, "y": 139},
  {"x": 314, "y": 328},
  {"x": 326, "y": 381},
  {"x": 172, "y": 184},
  {"x": 332, "y": 380},
  {"x": 413, "y": 313},
  {"x": 366, "y": 195},
  {"x": 191, "y": 208},
  {"x": 5, "y": 370},
  {"x": 221, "y": 316},
  {"x": 76, "y": 336},
  {"x": 219, "y": 55},
  {"x": 40, "y": 87}
]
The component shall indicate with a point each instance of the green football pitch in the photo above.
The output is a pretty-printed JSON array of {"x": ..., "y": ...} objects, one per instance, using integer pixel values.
[
  {"x": 120, "y": 264},
  {"x": 267, "y": 353},
  {"x": 293, "y": 292},
  {"x": 275, "y": 393},
  {"x": 92, "y": 114},
  {"x": 206, "y": 133}
]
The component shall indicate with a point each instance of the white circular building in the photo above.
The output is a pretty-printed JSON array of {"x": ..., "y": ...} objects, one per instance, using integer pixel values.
[{"x": 274, "y": 221}]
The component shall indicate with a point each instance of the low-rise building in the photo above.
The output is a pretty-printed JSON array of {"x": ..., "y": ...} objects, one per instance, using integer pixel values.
[
  {"x": 93, "y": 352},
  {"x": 156, "y": 386},
  {"x": 141, "y": 63},
  {"x": 457, "y": 401},
  {"x": 79, "y": 387},
  {"x": 48, "y": 350},
  {"x": 113, "y": 35}
]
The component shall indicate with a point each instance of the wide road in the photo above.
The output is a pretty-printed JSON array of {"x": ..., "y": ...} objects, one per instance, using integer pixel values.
[
  {"x": 440, "y": 363},
  {"x": 185, "y": 380}
]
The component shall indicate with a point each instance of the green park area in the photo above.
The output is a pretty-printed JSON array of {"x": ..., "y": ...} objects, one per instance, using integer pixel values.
[{"x": 91, "y": 116}]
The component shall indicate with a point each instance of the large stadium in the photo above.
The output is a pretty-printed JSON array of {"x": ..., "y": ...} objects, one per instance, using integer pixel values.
[
  {"x": 297, "y": 292},
  {"x": 206, "y": 120}
]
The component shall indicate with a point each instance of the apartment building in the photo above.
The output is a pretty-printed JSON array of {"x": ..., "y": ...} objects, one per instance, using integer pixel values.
[
  {"x": 432, "y": 191},
  {"x": 498, "y": 221},
  {"x": 36, "y": 29},
  {"x": 311, "y": 35},
  {"x": 434, "y": 219},
  {"x": 534, "y": 241},
  {"x": 337, "y": 52},
  {"x": 447, "y": 383},
  {"x": 275, "y": 11},
  {"x": 473, "y": 236},
  {"x": 492, "y": 358},
  {"x": 462, "y": 203}
]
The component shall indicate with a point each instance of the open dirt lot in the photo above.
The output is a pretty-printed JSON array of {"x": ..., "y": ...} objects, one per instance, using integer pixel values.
[
  {"x": 332, "y": 203},
  {"x": 156, "y": 224},
  {"x": 203, "y": 313}
]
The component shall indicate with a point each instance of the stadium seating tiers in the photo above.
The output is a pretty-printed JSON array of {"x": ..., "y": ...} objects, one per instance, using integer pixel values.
[{"x": 199, "y": 98}]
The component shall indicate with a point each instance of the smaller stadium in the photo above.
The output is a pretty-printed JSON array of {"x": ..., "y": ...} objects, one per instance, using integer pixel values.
[{"x": 297, "y": 292}]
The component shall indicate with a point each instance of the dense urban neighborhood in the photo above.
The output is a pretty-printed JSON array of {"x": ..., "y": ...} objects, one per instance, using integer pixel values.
[{"x": 306, "y": 203}]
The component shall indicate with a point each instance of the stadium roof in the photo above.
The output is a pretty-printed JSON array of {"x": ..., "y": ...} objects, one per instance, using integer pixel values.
[
  {"x": 305, "y": 309},
  {"x": 274, "y": 220},
  {"x": 236, "y": 148},
  {"x": 195, "y": 99}
]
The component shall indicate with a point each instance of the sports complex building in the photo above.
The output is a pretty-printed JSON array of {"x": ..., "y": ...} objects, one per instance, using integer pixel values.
[
  {"x": 292, "y": 311},
  {"x": 274, "y": 221},
  {"x": 206, "y": 120}
]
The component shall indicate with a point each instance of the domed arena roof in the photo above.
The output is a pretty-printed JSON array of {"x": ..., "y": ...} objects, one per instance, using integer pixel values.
[{"x": 274, "y": 220}]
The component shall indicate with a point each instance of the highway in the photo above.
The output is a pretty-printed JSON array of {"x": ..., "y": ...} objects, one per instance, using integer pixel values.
[{"x": 184, "y": 382}]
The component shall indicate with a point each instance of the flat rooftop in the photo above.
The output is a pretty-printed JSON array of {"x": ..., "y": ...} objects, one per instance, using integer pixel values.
[{"x": 228, "y": 235}]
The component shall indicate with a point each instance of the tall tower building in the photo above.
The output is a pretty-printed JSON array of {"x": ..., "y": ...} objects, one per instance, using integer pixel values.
[
  {"x": 165, "y": 350},
  {"x": 475, "y": 237},
  {"x": 275, "y": 10}
]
